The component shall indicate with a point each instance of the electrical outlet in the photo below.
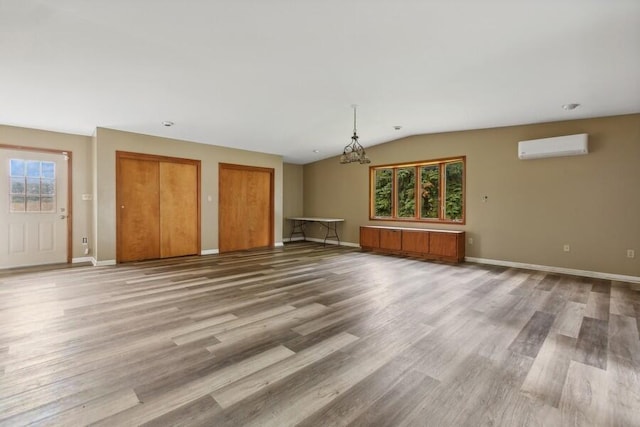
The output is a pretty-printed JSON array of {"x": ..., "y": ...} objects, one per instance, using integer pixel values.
[
  {"x": 471, "y": 240},
  {"x": 84, "y": 240},
  {"x": 566, "y": 248},
  {"x": 631, "y": 253}
]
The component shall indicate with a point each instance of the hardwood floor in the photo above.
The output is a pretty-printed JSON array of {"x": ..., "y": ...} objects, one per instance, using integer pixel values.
[{"x": 316, "y": 336}]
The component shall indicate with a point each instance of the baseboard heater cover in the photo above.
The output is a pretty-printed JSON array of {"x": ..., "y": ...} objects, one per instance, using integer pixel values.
[{"x": 559, "y": 146}]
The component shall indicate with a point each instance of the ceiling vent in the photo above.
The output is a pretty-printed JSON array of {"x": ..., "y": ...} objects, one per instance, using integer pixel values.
[{"x": 569, "y": 145}]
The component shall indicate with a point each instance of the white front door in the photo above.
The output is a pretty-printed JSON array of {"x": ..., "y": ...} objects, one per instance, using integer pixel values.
[{"x": 33, "y": 208}]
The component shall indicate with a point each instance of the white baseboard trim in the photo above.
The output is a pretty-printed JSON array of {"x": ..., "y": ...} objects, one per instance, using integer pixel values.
[
  {"x": 352, "y": 245},
  {"x": 103, "y": 263},
  {"x": 278, "y": 244},
  {"x": 294, "y": 239},
  {"x": 82, "y": 259},
  {"x": 209, "y": 252},
  {"x": 551, "y": 269},
  {"x": 333, "y": 242}
]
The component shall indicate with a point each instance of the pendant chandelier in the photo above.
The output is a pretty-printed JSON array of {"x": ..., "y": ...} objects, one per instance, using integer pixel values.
[{"x": 354, "y": 152}]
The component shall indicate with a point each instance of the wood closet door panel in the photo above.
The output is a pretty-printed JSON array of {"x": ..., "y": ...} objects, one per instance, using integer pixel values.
[
  {"x": 245, "y": 207},
  {"x": 179, "y": 209},
  {"x": 138, "y": 207}
]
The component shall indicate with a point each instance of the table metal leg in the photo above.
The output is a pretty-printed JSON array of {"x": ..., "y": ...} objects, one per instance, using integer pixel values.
[
  {"x": 298, "y": 228},
  {"x": 332, "y": 231}
]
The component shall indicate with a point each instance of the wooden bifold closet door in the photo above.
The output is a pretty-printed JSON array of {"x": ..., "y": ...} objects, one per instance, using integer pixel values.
[{"x": 158, "y": 207}]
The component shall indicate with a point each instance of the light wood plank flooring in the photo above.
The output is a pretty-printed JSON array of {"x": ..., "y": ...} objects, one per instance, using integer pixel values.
[{"x": 316, "y": 336}]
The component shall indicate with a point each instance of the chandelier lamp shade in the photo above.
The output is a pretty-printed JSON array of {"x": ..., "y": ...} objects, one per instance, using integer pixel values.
[{"x": 354, "y": 152}]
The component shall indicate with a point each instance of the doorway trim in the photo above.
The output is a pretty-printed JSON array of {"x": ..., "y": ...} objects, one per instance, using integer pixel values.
[{"x": 69, "y": 155}]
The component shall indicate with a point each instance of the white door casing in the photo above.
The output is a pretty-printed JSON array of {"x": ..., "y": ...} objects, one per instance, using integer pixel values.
[{"x": 34, "y": 214}]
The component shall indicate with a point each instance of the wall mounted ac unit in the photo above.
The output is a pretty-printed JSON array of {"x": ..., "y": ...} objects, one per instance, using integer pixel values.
[{"x": 569, "y": 145}]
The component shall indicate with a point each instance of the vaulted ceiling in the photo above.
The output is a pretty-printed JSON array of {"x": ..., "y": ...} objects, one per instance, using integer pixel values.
[{"x": 280, "y": 76}]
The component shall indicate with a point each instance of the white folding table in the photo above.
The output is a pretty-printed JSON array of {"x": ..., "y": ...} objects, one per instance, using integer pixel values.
[{"x": 330, "y": 224}]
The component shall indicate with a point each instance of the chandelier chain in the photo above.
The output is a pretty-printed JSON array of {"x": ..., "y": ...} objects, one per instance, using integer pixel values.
[{"x": 354, "y": 151}]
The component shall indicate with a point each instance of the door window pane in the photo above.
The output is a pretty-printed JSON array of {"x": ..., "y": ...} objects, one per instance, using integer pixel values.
[
  {"x": 47, "y": 187},
  {"x": 33, "y": 168},
  {"x": 33, "y": 203},
  {"x": 16, "y": 167},
  {"x": 33, "y": 186},
  {"x": 17, "y": 186},
  {"x": 17, "y": 203},
  {"x": 48, "y": 170},
  {"x": 47, "y": 204}
]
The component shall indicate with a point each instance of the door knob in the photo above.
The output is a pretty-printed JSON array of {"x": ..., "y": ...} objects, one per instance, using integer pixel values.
[{"x": 63, "y": 216}]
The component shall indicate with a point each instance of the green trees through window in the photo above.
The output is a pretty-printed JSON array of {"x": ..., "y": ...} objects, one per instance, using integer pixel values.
[
  {"x": 453, "y": 191},
  {"x": 384, "y": 195},
  {"x": 423, "y": 191},
  {"x": 406, "y": 179},
  {"x": 430, "y": 191}
]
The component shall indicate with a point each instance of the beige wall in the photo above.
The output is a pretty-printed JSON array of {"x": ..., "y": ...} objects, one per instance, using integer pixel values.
[
  {"x": 292, "y": 200},
  {"x": 80, "y": 147},
  {"x": 109, "y": 141},
  {"x": 534, "y": 207}
]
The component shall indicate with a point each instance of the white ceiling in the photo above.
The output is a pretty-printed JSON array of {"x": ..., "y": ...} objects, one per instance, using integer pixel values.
[{"x": 279, "y": 76}]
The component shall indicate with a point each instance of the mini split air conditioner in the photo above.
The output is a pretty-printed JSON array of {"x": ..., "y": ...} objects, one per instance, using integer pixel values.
[{"x": 569, "y": 145}]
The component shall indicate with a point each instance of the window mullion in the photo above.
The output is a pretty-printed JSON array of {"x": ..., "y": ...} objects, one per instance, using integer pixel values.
[
  {"x": 443, "y": 183},
  {"x": 372, "y": 192},
  {"x": 417, "y": 193},
  {"x": 394, "y": 194}
]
